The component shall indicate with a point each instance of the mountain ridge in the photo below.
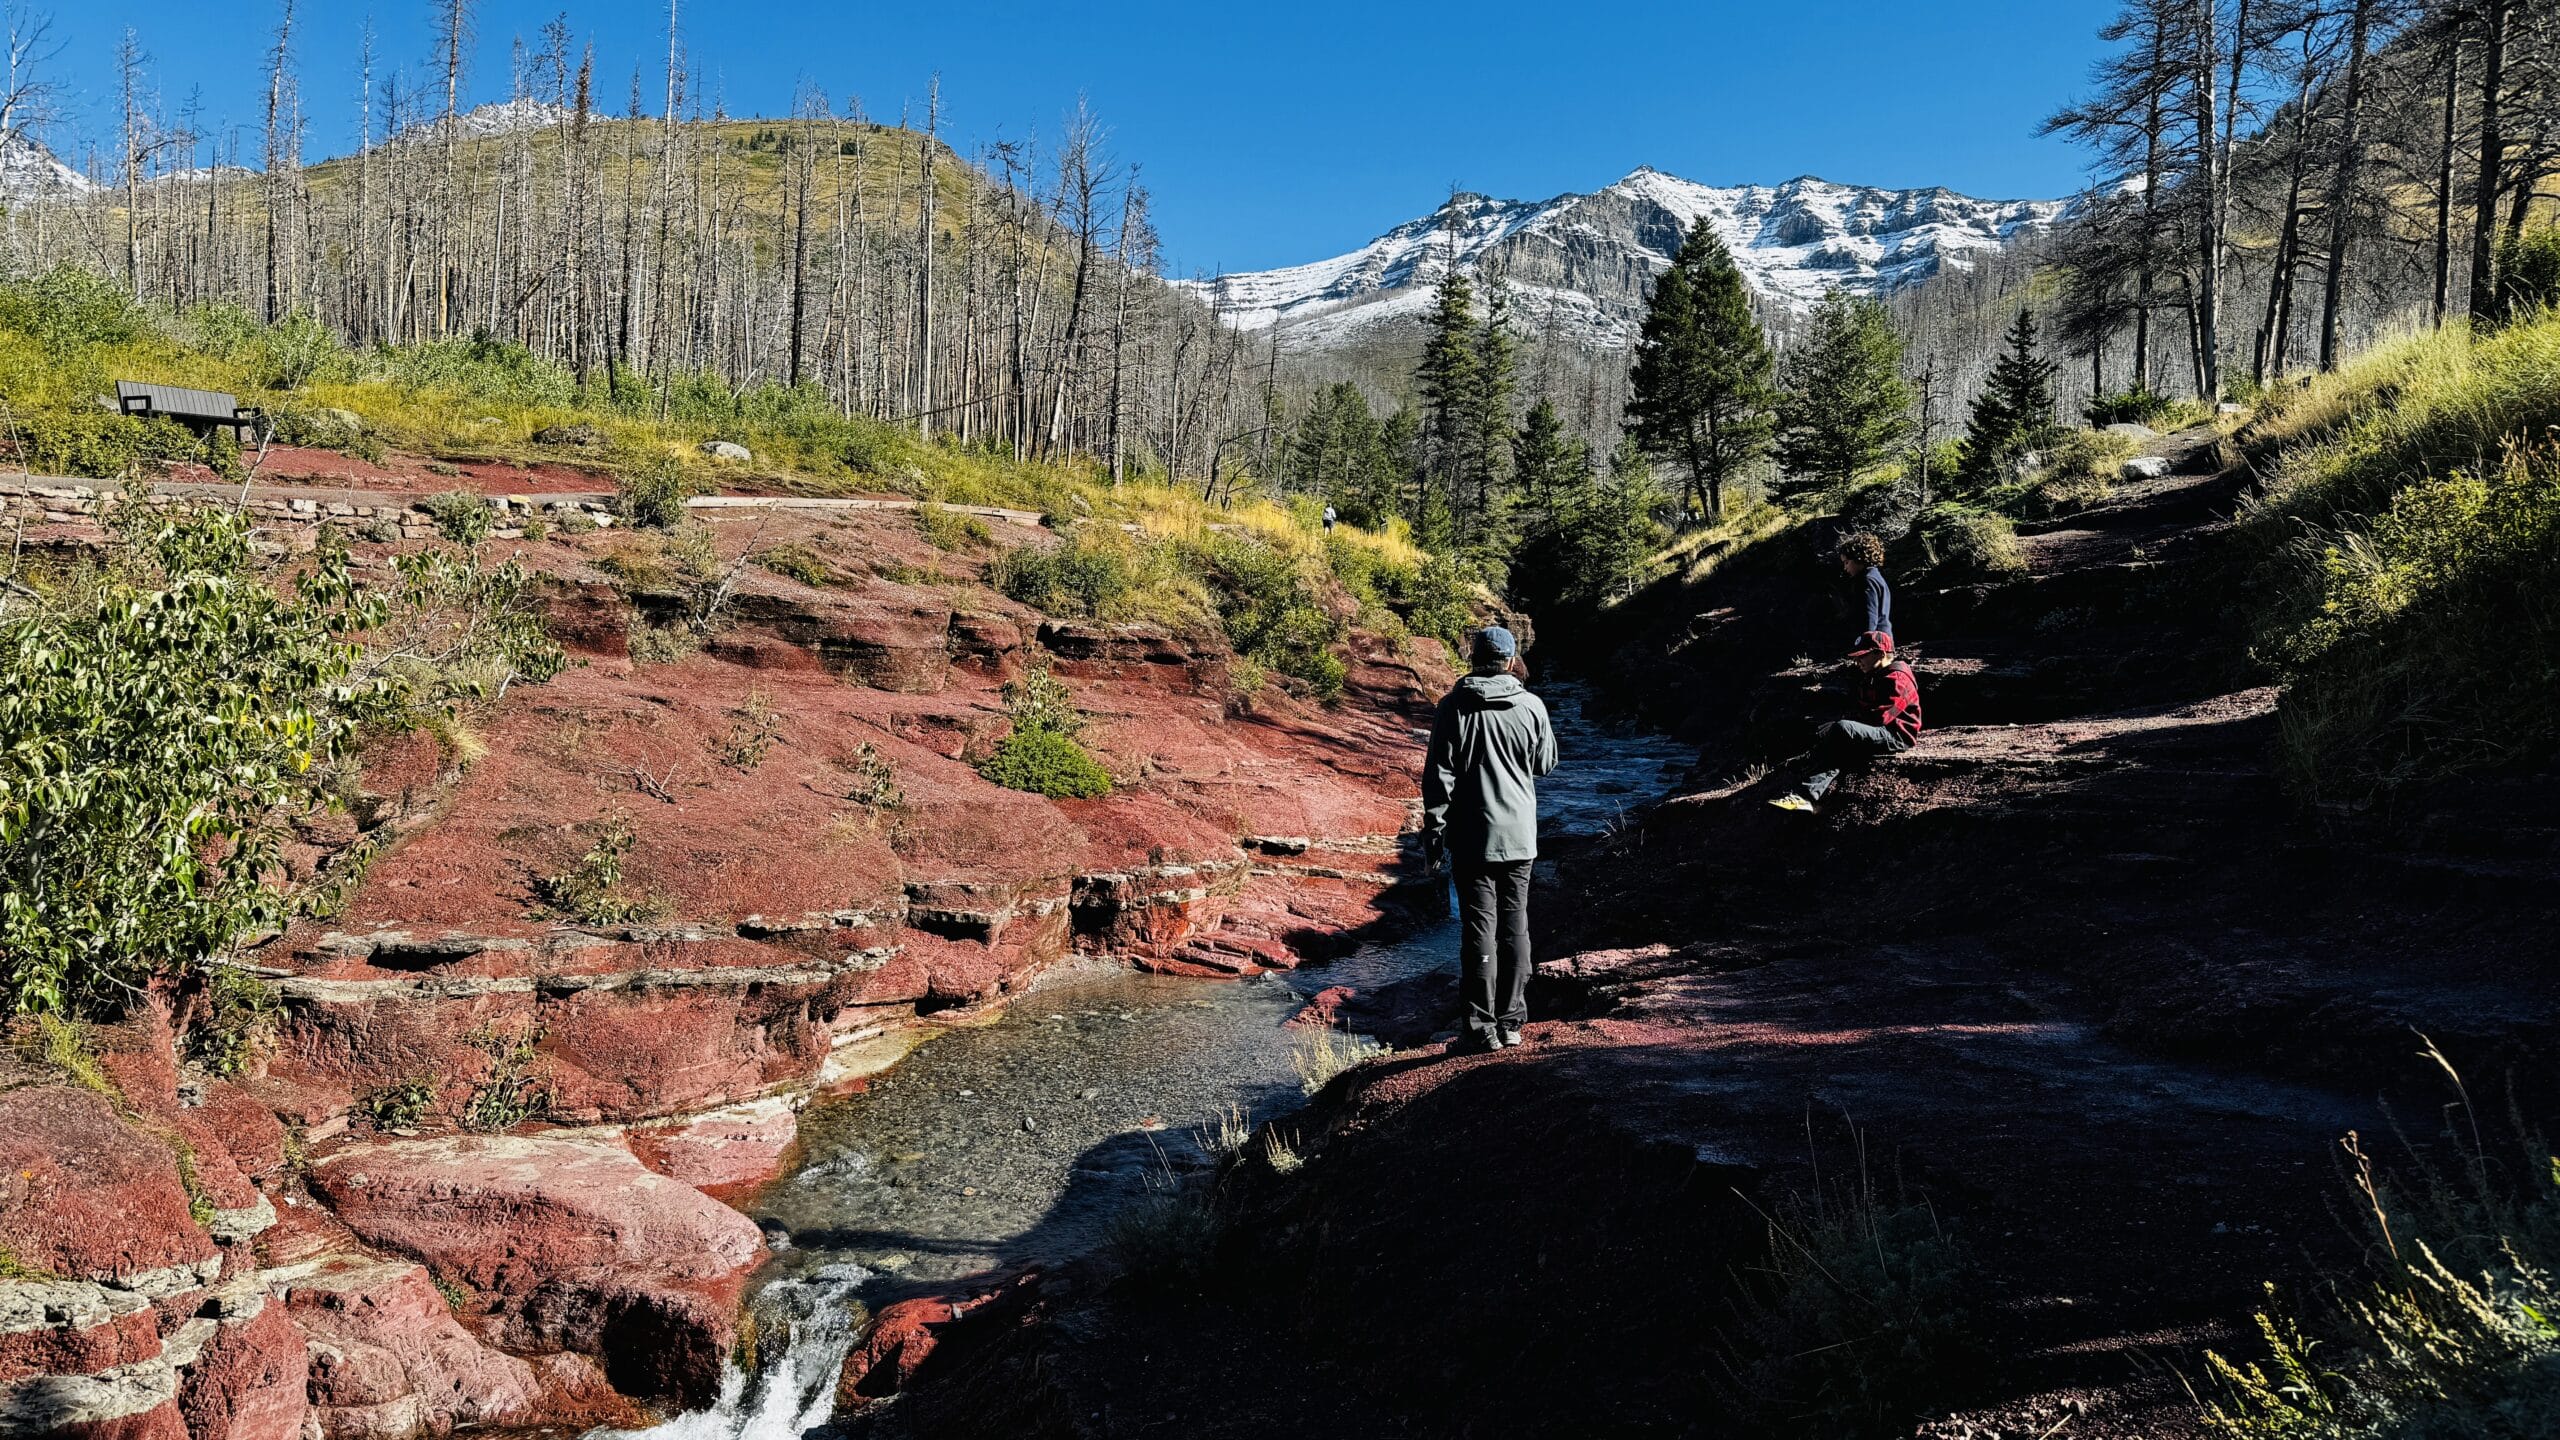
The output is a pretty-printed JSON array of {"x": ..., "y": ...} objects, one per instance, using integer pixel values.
[{"x": 1583, "y": 262}]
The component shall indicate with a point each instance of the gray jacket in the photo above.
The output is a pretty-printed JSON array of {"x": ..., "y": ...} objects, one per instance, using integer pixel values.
[{"x": 1489, "y": 744}]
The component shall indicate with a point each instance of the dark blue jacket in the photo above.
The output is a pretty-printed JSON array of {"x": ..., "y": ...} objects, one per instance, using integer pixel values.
[{"x": 1879, "y": 602}]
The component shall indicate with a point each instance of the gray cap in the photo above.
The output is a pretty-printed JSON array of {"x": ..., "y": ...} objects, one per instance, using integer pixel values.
[{"x": 1495, "y": 645}]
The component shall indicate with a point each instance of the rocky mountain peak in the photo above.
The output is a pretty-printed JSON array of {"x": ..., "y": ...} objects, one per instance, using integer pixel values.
[{"x": 1585, "y": 262}]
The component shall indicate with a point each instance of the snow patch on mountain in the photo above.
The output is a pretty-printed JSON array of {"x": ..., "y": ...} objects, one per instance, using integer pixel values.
[
  {"x": 503, "y": 117},
  {"x": 31, "y": 171},
  {"x": 1583, "y": 264}
]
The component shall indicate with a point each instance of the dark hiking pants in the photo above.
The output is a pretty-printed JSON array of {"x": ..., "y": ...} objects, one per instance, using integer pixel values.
[
  {"x": 1493, "y": 953},
  {"x": 1844, "y": 743}
]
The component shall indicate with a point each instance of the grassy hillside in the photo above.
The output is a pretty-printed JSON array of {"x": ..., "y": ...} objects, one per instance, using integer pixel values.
[{"x": 2403, "y": 549}]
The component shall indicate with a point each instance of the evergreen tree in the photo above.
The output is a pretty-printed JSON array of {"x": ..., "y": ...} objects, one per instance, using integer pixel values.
[
  {"x": 1846, "y": 405},
  {"x": 1702, "y": 383},
  {"x": 1340, "y": 453},
  {"x": 1450, "y": 385},
  {"x": 1543, "y": 457},
  {"x": 2014, "y": 414},
  {"x": 1595, "y": 539},
  {"x": 1488, "y": 417}
]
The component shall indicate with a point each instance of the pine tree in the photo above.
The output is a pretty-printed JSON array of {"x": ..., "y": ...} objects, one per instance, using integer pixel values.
[
  {"x": 1485, "y": 498},
  {"x": 1846, "y": 405},
  {"x": 1543, "y": 457},
  {"x": 1449, "y": 382},
  {"x": 1702, "y": 382},
  {"x": 1338, "y": 453},
  {"x": 2014, "y": 414}
]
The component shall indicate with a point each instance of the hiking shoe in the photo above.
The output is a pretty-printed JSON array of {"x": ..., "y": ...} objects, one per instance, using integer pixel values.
[
  {"x": 1793, "y": 801},
  {"x": 1475, "y": 1043},
  {"x": 1510, "y": 1037}
]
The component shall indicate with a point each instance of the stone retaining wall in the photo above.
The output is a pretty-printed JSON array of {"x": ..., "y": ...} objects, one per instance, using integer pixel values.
[{"x": 40, "y": 500}]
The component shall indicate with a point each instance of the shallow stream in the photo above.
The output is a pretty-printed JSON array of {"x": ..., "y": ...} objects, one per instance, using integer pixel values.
[{"x": 1018, "y": 1140}]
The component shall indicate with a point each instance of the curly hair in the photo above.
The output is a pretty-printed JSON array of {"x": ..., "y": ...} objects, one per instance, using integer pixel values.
[{"x": 1862, "y": 547}]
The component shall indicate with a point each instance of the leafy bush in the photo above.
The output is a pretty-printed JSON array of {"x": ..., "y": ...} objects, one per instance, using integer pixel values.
[
  {"x": 950, "y": 529},
  {"x": 2454, "y": 1333},
  {"x": 590, "y": 891},
  {"x": 165, "y": 711},
  {"x": 1083, "y": 576},
  {"x": 1044, "y": 762},
  {"x": 2529, "y": 274},
  {"x": 1041, "y": 756},
  {"x": 84, "y": 440},
  {"x": 237, "y": 1018},
  {"x": 2432, "y": 618},
  {"x": 2137, "y": 406},
  {"x": 1039, "y": 702},
  {"x": 1271, "y": 606},
  {"x": 1969, "y": 544},
  {"x": 797, "y": 562},
  {"x": 2399, "y": 563},
  {"x": 651, "y": 494},
  {"x": 515, "y": 1089},
  {"x": 464, "y": 517},
  {"x": 401, "y": 1106}
]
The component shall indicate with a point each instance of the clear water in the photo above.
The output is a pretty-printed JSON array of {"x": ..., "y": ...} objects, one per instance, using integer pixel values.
[{"x": 1017, "y": 1141}]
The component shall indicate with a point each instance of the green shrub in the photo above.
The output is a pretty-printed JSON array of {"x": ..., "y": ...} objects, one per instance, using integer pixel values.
[
  {"x": 590, "y": 891},
  {"x": 515, "y": 1089},
  {"x": 651, "y": 494},
  {"x": 2453, "y": 1331},
  {"x": 1040, "y": 703},
  {"x": 464, "y": 517},
  {"x": 949, "y": 529},
  {"x": 87, "y": 441},
  {"x": 1969, "y": 544},
  {"x": 1082, "y": 576},
  {"x": 237, "y": 1019},
  {"x": 2529, "y": 274},
  {"x": 1045, "y": 762},
  {"x": 401, "y": 1106},
  {"x": 797, "y": 562},
  {"x": 2138, "y": 406},
  {"x": 165, "y": 712},
  {"x": 1270, "y": 605},
  {"x": 2431, "y": 619},
  {"x": 480, "y": 369}
]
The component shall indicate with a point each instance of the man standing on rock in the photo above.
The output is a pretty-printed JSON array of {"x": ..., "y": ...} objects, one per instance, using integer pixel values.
[
  {"x": 1892, "y": 697},
  {"x": 1489, "y": 744}
]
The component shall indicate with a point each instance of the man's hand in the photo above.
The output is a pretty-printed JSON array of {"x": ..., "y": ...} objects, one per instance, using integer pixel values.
[{"x": 1435, "y": 852}]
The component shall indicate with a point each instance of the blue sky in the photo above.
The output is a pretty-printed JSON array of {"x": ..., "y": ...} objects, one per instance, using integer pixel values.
[{"x": 1277, "y": 132}]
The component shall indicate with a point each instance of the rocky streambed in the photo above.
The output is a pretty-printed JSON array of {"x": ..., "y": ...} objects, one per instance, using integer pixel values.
[{"x": 1016, "y": 1142}]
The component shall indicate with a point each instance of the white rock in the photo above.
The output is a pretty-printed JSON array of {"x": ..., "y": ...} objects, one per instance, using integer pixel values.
[
  {"x": 726, "y": 450},
  {"x": 2146, "y": 467}
]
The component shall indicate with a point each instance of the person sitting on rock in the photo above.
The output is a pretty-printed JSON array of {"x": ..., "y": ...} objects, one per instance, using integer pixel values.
[
  {"x": 1862, "y": 559},
  {"x": 1489, "y": 744},
  {"x": 1891, "y": 694}
]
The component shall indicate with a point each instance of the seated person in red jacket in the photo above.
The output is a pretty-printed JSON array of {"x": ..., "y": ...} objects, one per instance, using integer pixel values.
[{"x": 1891, "y": 696}]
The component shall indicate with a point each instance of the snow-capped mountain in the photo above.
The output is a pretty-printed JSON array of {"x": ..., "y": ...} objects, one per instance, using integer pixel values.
[
  {"x": 503, "y": 117},
  {"x": 1585, "y": 263},
  {"x": 31, "y": 171}
]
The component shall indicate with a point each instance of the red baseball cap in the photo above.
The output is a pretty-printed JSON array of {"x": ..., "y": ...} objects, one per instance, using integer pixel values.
[{"x": 1874, "y": 642}]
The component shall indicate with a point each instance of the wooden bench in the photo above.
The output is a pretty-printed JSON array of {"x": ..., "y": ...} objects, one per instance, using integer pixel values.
[{"x": 202, "y": 411}]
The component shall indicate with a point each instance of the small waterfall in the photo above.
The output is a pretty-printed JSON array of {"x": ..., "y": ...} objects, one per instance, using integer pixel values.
[{"x": 804, "y": 1325}]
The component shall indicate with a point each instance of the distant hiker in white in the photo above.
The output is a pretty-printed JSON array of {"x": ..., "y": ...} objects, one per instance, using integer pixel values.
[{"x": 1489, "y": 744}]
